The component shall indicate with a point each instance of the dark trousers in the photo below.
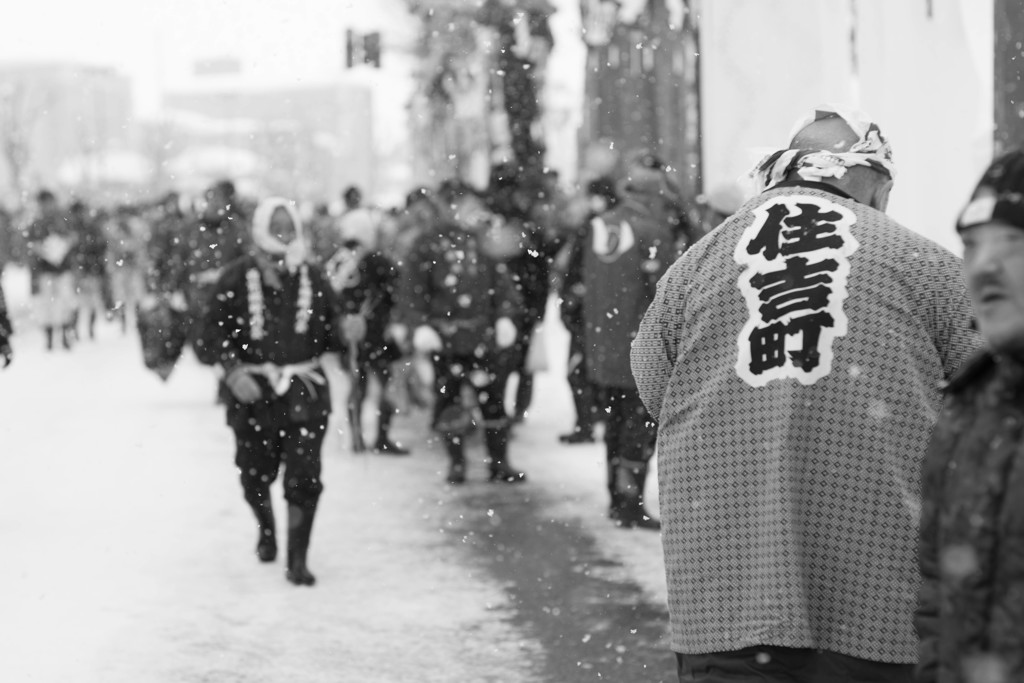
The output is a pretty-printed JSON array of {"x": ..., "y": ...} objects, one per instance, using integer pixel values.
[
  {"x": 520, "y": 354},
  {"x": 630, "y": 436},
  {"x": 487, "y": 377},
  {"x": 385, "y": 409},
  {"x": 585, "y": 395},
  {"x": 771, "y": 664},
  {"x": 260, "y": 451}
]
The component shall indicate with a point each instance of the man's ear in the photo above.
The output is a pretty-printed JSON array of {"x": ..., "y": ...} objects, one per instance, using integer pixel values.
[{"x": 880, "y": 197}]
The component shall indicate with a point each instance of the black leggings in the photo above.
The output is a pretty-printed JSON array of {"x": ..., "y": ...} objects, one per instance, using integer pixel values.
[{"x": 261, "y": 451}]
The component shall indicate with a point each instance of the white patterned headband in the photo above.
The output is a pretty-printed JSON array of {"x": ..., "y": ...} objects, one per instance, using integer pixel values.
[{"x": 872, "y": 149}]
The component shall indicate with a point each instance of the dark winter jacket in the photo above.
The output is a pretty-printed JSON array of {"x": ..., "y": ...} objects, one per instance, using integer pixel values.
[
  {"x": 209, "y": 247},
  {"x": 449, "y": 284},
  {"x": 90, "y": 255},
  {"x": 971, "y": 611},
  {"x": 40, "y": 232},
  {"x": 212, "y": 244},
  {"x": 277, "y": 338},
  {"x": 165, "y": 256},
  {"x": 369, "y": 290},
  {"x": 530, "y": 269},
  {"x": 624, "y": 253}
]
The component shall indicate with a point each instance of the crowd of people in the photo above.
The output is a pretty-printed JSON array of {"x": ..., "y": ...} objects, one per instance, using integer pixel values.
[
  {"x": 439, "y": 303},
  {"x": 797, "y": 359}
]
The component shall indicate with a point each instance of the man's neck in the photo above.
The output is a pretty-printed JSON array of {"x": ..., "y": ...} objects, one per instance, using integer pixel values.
[{"x": 817, "y": 185}]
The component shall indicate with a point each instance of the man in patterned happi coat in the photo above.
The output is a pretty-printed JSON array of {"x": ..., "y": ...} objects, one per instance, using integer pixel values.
[
  {"x": 271, "y": 318},
  {"x": 792, "y": 359}
]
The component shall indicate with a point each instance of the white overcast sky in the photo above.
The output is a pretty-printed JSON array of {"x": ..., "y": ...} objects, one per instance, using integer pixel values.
[{"x": 157, "y": 42}]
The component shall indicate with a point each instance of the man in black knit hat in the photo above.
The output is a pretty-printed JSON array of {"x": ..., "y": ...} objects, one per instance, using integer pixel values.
[{"x": 970, "y": 618}]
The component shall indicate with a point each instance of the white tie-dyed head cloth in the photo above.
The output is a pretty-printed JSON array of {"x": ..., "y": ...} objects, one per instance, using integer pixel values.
[{"x": 872, "y": 150}]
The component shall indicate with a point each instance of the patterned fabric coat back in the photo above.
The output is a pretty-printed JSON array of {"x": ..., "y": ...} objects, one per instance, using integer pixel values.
[{"x": 793, "y": 359}]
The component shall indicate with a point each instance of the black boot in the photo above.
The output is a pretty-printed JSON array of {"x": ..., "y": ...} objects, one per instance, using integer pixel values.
[
  {"x": 49, "y": 338},
  {"x": 580, "y": 434},
  {"x": 386, "y": 446},
  {"x": 630, "y": 480},
  {"x": 266, "y": 545},
  {"x": 457, "y": 460},
  {"x": 355, "y": 424},
  {"x": 300, "y": 525},
  {"x": 384, "y": 443},
  {"x": 615, "y": 506},
  {"x": 496, "y": 439},
  {"x": 92, "y": 325},
  {"x": 65, "y": 337},
  {"x": 585, "y": 401},
  {"x": 524, "y": 396}
]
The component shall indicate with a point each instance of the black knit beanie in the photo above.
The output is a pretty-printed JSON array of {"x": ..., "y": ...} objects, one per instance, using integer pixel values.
[{"x": 999, "y": 195}]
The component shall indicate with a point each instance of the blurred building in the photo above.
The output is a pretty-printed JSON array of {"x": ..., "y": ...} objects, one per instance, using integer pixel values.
[
  {"x": 923, "y": 71},
  {"x": 482, "y": 98},
  {"x": 64, "y": 126},
  {"x": 642, "y": 85},
  {"x": 1009, "y": 74},
  {"x": 305, "y": 141}
]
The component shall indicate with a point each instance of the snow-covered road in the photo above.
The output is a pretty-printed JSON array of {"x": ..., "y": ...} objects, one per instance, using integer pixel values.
[{"x": 128, "y": 548}]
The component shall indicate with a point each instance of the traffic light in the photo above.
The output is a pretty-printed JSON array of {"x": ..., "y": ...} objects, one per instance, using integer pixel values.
[{"x": 362, "y": 48}]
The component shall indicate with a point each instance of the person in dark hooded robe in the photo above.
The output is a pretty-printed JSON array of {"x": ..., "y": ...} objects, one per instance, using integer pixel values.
[{"x": 272, "y": 318}]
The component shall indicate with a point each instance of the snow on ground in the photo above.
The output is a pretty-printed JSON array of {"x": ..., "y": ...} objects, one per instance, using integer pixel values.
[{"x": 128, "y": 546}]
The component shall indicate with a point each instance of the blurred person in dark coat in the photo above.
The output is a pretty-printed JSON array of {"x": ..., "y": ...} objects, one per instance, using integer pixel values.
[
  {"x": 365, "y": 280},
  {"x": 125, "y": 262},
  {"x": 601, "y": 196},
  {"x": 219, "y": 236},
  {"x": 419, "y": 215},
  {"x": 8, "y": 240},
  {"x": 625, "y": 252},
  {"x": 325, "y": 238},
  {"x": 166, "y": 267},
  {"x": 460, "y": 305},
  {"x": 525, "y": 236},
  {"x": 90, "y": 259},
  {"x": 272, "y": 317},
  {"x": 51, "y": 241},
  {"x": 970, "y": 617}
]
